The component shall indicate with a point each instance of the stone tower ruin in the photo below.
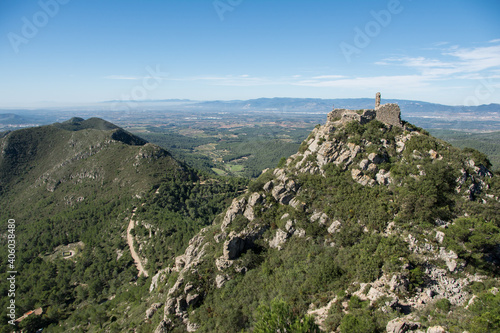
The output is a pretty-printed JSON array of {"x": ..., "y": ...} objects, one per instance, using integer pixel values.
[{"x": 389, "y": 114}]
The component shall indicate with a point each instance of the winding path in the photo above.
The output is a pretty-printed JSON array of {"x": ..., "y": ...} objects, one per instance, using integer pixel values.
[{"x": 130, "y": 241}]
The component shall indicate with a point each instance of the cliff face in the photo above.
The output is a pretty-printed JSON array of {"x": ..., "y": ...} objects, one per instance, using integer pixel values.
[{"x": 367, "y": 211}]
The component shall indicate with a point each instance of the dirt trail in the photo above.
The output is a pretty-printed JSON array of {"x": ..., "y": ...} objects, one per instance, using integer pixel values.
[{"x": 130, "y": 241}]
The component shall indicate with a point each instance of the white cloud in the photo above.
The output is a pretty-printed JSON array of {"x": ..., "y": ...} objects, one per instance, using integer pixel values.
[
  {"x": 441, "y": 43},
  {"x": 477, "y": 59},
  {"x": 230, "y": 80},
  {"x": 463, "y": 60},
  {"x": 368, "y": 82},
  {"x": 451, "y": 72},
  {"x": 122, "y": 77},
  {"x": 328, "y": 77}
]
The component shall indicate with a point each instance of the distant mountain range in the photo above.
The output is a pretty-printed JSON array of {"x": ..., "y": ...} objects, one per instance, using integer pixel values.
[
  {"x": 313, "y": 104},
  {"x": 424, "y": 114}
]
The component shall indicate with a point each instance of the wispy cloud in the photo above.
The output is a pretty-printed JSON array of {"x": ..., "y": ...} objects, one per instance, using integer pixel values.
[
  {"x": 450, "y": 63},
  {"x": 477, "y": 59},
  {"x": 441, "y": 43},
  {"x": 231, "y": 80},
  {"x": 328, "y": 77},
  {"x": 455, "y": 61},
  {"x": 380, "y": 82},
  {"x": 122, "y": 77}
]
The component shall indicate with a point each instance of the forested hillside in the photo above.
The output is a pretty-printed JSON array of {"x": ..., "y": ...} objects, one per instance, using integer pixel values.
[
  {"x": 368, "y": 228},
  {"x": 71, "y": 189},
  {"x": 487, "y": 143}
]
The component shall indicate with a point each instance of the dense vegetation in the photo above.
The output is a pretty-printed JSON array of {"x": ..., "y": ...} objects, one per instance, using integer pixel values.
[
  {"x": 487, "y": 143},
  {"x": 78, "y": 204},
  {"x": 176, "y": 210},
  {"x": 325, "y": 267},
  {"x": 240, "y": 151},
  {"x": 83, "y": 181}
]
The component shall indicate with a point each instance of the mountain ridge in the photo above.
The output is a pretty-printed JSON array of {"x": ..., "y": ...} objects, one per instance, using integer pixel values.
[
  {"x": 369, "y": 227},
  {"x": 367, "y": 203}
]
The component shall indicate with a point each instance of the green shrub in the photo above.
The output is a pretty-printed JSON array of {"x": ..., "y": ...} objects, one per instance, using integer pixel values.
[
  {"x": 303, "y": 147},
  {"x": 359, "y": 322},
  {"x": 416, "y": 278},
  {"x": 354, "y": 127},
  {"x": 486, "y": 310},
  {"x": 279, "y": 317},
  {"x": 282, "y": 162},
  {"x": 443, "y": 304},
  {"x": 356, "y": 303}
]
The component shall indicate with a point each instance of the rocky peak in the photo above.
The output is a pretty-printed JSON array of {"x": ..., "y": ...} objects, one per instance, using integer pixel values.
[{"x": 380, "y": 165}]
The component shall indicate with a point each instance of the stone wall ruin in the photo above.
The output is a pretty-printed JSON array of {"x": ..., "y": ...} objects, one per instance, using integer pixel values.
[{"x": 389, "y": 114}]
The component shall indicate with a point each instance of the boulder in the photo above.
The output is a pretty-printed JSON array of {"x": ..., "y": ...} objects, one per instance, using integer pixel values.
[
  {"x": 319, "y": 216},
  {"x": 193, "y": 299},
  {"x": 158, "y": 278},
  {"x": 254, "y": 199},
  {"x": 397, "y": 325},
  {"x": 383, "y": 177},
  {"x": 401, "y": 325},
  {"x": 398, "y": 284},
  {"x": 366, "y": 181},
  {"x": 372, "y": 168},
  {"x": 375, "y": 158},
  {"x": 364, "y": 164},
  {"x": 268, "y": 186},
  {"x": 449, "y": 258},
  {"x": 356, "y": 173},
  {"x": 334, "y": 227},
  {"x": 220, "y": 280},
  {"x": 434, "y": 155},
  {"x": 298, "y": 205},
  {"x": 279, "y": 239},
  {"x": 439, "y": 236},
  {"x": 237, "y": 207},
  {"x": 436, "y": 329},
  {"x": 233, "y": 246},
  {"x": 249, "y": 213},
  {"x": 164, "y": 326},
  {"x": 152, "y": 310},
  {"x": 299, "y": 232}
]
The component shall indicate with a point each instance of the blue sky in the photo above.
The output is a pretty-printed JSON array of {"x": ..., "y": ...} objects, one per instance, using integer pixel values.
[{"x": 57, "y": 52}]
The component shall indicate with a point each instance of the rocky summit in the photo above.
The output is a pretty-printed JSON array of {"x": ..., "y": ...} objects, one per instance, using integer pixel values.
[{"x": 372, "y": 226}]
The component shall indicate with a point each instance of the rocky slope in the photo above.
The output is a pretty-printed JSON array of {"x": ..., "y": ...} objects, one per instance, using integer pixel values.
[{"x": 366, "y": 222}]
